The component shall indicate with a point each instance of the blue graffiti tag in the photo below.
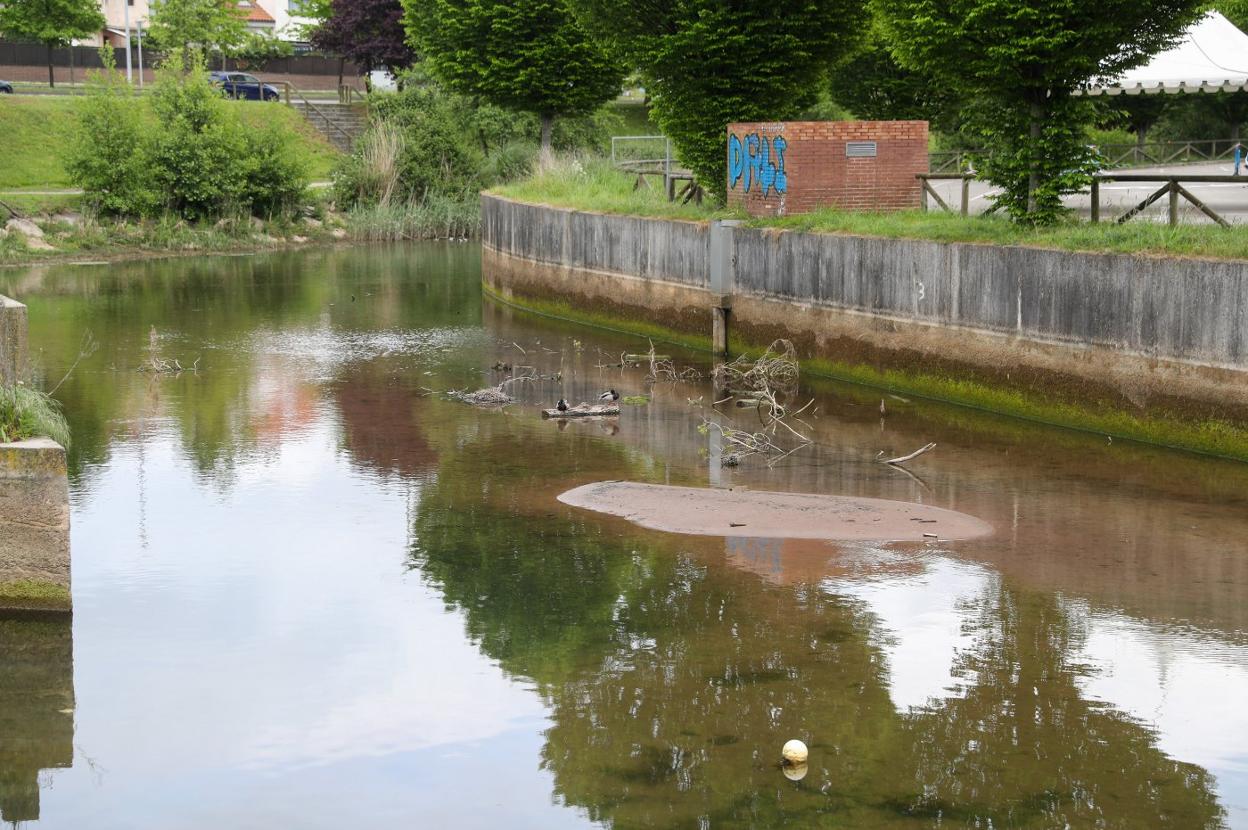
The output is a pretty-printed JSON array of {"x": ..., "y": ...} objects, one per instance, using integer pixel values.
[{"x": 752, "y": 161}]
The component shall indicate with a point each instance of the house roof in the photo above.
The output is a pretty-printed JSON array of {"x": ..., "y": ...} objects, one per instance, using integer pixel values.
[
  {"x": 255, "y": 14},
  {"x": 1211, "y": 57}
]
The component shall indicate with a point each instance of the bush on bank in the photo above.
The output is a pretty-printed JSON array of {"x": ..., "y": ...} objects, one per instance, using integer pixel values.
[
  {"x": 427, "y": 146},
  {"x": 197, "y": 160}
]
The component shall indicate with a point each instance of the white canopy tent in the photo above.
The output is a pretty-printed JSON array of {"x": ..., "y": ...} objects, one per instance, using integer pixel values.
[{"x": 1211, "y": 57}]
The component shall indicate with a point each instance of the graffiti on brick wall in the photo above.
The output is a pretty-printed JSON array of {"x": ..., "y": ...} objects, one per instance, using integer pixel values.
[{"x": 757, "y": 162}]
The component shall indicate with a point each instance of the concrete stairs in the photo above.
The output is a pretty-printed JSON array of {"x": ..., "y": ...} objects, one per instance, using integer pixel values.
[{"x": 340, "y": 123}]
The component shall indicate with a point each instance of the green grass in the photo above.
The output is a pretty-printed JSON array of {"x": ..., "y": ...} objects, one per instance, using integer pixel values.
[
  {"x": 595, "y": 186},
  {"x": 437, "y": 217},
  {"x": 30, "y": 413},
  {"x": 36, "y": 133},
  {"x": 592, "y": 184},
  {"x": 32, "y": 594}
]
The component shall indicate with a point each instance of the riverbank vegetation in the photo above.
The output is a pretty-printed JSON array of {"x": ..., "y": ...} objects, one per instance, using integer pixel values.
[
  {"x": 593, "y": 185},
  {"x": 29, "y": 413}
]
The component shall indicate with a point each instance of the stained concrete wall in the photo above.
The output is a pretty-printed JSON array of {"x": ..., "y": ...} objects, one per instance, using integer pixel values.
[
  {"x": 1143, "y": 329},
  {"x": 34, "y": 526},
  {"x": 12, "y": 341}
]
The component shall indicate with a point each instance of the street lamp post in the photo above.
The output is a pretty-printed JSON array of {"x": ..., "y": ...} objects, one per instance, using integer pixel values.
[
  {"x": 125, "y": 6},
  {"x": 140, "y": 33}
]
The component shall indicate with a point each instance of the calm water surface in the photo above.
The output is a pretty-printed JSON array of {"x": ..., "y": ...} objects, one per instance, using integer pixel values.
[{"x": 310, "y": 594}]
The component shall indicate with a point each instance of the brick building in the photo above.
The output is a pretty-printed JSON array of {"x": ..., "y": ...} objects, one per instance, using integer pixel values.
[{"x": 787, "y": 167}]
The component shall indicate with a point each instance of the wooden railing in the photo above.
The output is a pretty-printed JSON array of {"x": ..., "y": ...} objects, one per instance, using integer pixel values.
[
  {"x": 1114, "y": 155},
  {"x": 1172, "y": 187}
]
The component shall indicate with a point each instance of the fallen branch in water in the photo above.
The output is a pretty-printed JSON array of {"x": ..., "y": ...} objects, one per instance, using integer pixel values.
[
  {"x": 904, "y": 458},
  {"x": 491, "y": 395},
  {"x": 776, "y": 369},
  {"x": 583, "y": 410}
]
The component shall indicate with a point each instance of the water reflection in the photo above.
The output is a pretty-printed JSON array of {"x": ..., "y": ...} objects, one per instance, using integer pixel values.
[
  {"x": 357, "y": 603},
  {"x": 36, "y": 710}
]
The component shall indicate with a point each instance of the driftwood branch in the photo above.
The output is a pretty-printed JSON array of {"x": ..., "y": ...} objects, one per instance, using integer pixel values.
[{"x": 904, "y": 458}]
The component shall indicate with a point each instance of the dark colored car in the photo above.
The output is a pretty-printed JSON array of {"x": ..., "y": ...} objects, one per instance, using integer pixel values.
[
  {"x": 241, "y": 85},
  {"x": 6, "y": 87}
]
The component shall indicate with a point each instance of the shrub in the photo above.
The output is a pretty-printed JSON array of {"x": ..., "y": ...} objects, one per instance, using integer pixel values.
[
  {"x": 107, "y": 155},
  {"x": 275, "y": 175},
  {"x": 29, "y": 413},
  {"x": 198, "y": 155}
]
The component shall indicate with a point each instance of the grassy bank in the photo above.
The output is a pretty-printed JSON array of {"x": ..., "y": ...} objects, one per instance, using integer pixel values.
[
  {"x": 1212, "y": 437},
  {"x": 82, "y": 237},
  {"x": 36, "y": 130},
  {"x": 594, "y": 186}
]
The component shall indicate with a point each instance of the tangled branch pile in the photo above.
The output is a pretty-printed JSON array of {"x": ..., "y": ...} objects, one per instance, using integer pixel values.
[
  {"x": 491, "y": 395},
  {"x": 776, "y": 369}
]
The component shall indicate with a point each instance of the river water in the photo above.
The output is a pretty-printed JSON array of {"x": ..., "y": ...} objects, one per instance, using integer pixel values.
[{"x": 308, "y": 593}]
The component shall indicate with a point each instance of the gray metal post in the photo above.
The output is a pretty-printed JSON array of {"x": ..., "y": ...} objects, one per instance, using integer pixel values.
[
  {"x": 125, "y": 5},
  {"x": 139, "y": 31},
  {"x": 723, "y": 266}
]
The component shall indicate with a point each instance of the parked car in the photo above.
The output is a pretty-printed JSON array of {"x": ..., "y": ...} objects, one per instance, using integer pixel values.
[
  {"x": 6, "y": 87},
  {"x": 241, "y": 85}
]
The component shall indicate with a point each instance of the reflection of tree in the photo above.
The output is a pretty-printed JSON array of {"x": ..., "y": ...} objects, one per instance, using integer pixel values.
[
  {"x": 382, "y": 420},
  {"x": 539, "y": 589},
  {"x": 1024, "y": 749},
  {"x": 673, "y": 680},
  {"x": 214, "y": 307},
  {"x": 36, "y": 710}
]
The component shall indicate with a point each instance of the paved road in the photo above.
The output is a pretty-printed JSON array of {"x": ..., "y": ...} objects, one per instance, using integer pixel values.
[{"x": 1229, "y": 200}]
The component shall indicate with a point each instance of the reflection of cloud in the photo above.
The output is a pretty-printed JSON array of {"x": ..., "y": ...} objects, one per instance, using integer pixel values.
[
  {"x": 922, "y": 616},
  {"x": 289, "y": 635},
  {"x": 1189, "y": 688}
]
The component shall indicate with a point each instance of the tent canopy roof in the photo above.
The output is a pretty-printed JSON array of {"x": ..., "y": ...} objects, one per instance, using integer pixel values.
[{"x": 1211, "y": 57}]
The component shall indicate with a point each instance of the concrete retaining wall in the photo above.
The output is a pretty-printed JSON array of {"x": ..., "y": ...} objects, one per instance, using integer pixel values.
[
  {"x": 1141, "y": 330},
  {"x": 12, "y": 341},
  {"x": 34, "y": 526}
]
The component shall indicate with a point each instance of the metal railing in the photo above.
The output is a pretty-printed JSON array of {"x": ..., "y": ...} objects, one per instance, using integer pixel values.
[
  {"x": 1172, "y": 187},
  {"x": 291, "y": 92},
  {"x": 651, "y": 155}
]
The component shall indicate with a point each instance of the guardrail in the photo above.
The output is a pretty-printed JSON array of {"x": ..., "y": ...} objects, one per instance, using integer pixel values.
[
  {"x": 290, "y": 92},
  {"x": 643, "y": 165},
  {"x": 1172, "y": 187}
]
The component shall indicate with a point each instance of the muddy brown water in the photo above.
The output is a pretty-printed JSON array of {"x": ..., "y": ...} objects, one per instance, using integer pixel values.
[{"x": 310, "y": 594}]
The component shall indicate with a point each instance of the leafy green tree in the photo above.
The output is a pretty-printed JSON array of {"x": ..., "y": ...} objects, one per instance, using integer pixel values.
[
  {"x": 198, "y": 24},
  {"x": 707, "y": 63},
  {"x": 873, "y": 86},
  {"x": 526, "y": 55},
  {"x": 50, "y": 22},
  {"x": 1137, "y": 114},
  {"x": 1022, "y": 60}
]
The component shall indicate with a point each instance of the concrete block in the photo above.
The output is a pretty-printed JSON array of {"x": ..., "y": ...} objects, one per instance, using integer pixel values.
[
  {"x": 13, "y": 354},
  {"x": 34, "y": 526}
]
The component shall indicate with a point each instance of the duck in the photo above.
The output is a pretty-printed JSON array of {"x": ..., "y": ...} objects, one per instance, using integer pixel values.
[
  {"x": 609, "y": 395},
  {"x": 562, "y": 406}
]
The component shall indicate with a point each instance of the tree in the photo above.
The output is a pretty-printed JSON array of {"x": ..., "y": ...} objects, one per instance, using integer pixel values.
[
  {"x": 526, "y": 55},
  {"x": 50, "y": 22},
  {"x": 197, "y": 24},
  {"x": 706, "y": 63},
  {"x": 368, "y": 32},
  {"x": 1022, "y": 61},
  {"x": 1136, "y": 114},
  {"x": 873, "y": 86}
]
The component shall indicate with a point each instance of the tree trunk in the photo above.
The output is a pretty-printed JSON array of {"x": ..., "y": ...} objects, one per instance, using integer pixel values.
[
  {"x": 548, "y": 127},
  {"x": 1033, "y": 174},
  {"x": 1141, "y": 135},
  {"x": 51, "y": 78},
  {"x": 342, "y": 62}
]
